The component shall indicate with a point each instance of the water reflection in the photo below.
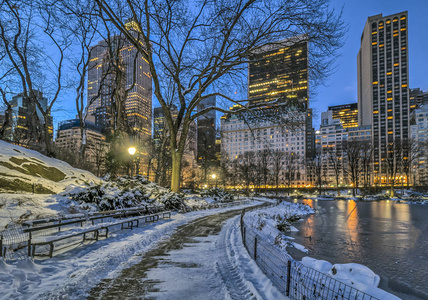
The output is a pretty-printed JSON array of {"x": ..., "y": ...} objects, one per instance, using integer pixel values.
[{"x": 389, "y": 238}]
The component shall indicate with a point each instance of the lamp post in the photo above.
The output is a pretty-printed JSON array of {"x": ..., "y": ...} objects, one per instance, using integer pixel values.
[
  {"x": 132, "y": 151},
  {"x": 215, "y": 178}
]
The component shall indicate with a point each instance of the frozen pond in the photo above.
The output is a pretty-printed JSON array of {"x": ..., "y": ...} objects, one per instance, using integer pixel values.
[{"x": 389, "y": 238}]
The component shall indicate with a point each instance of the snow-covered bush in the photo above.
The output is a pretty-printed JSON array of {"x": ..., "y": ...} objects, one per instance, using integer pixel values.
[
  {"x": 218, "y": 194},
  {"x": 124, "y": 192}
]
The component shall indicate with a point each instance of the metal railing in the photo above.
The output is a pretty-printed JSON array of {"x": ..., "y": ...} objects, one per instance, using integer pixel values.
[
  {"x": 14, "y": 240},
  {"x": 292, "y": 278}
]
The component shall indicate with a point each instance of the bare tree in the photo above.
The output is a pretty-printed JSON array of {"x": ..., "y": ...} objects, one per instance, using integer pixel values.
[
  {"x": 247, "y": 168},
  {"x": 291, "y": 167},
  {"x": 410, "y": 153},
  {"x": 264, "y": 163},
  {"x": 205, "y": 48},
  {"x": 366, "y": 163},
  {"x": 335, "y": 162},
  {"x": 353, "y": 150},
  {"x": 25, "y": 45},
  {"x": 278, "y": 157}
]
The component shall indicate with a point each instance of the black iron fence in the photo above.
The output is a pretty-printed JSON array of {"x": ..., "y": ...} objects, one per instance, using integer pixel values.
[{"x": 292, "y": 278}]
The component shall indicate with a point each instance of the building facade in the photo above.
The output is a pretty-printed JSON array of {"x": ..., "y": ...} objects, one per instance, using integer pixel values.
[
  {"x": 419, "y": 140},
  {"x": 27, "y": 119},
  {"x": 241, "y": 134},
  {"x": 207, "y": 132},
  {"x": 383, "y": 84},
  {"x": 69, "y": 138},
  {"x": 120, "y": 85},
  {"x": 346, "y": 113}
]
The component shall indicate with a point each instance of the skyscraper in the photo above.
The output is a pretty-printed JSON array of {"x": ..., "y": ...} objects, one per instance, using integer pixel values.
[
  {"x": 119, "y": 80},
  {"x": 383, "y": 79},
  {"x": 279, "y": 71}
]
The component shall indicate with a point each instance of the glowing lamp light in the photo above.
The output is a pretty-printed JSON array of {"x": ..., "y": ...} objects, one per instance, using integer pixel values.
[{"x": 132, "y": 150}]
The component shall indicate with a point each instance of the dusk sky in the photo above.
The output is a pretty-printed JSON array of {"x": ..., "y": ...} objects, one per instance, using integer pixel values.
[{"x": 340, "y": 88}]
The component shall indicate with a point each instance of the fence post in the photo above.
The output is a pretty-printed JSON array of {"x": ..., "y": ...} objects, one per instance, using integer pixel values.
[
  {"x": 287, "y": 287},
  {"x": 29, "y": 244},
  {"x": 1, "y": 246},
  {"x": 244, "y": 234},
  {"x": 255, "y": 248}
]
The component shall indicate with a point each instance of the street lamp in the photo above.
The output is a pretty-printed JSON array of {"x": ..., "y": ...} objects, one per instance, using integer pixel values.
[
  {"x": 215, "y": 178},
  {"x": 132, "y": 150}
]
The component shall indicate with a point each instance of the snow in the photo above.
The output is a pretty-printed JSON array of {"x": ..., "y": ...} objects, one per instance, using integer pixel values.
[
  {"x": 22, "y": 157},
  {"x": 74, "y": 272}
]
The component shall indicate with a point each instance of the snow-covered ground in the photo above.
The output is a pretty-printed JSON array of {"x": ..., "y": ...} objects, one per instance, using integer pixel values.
[
  {"x": 74, "y": 272},
  {"x": 266, "y": 223}
]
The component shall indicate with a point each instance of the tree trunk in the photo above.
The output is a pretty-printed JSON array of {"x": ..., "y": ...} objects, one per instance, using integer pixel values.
[{"x": 176, "y": 170}]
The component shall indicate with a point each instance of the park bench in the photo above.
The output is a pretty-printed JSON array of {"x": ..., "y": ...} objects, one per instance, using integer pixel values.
[{"x": 99, "y": 230}]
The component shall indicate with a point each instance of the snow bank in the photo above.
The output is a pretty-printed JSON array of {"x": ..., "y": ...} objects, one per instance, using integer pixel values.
[
  {"x": 24, "y": 171},
  {"x": 271, "y": 223}
]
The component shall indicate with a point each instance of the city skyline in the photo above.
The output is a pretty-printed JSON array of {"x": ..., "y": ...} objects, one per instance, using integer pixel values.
[{"x": 341, "y": 86}]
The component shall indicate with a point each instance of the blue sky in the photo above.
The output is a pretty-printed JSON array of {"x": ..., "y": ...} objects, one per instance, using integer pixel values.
[{"x": 341, "y": 87}]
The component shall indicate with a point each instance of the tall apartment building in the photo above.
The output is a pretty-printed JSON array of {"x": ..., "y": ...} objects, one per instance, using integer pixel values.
[
  {"x": 115, "y": 64},
  {"x": 346, "y": 113},
  {"x": 383, "y": 83}
]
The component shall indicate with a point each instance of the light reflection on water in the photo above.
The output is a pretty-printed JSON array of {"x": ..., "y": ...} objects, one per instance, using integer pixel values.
[{"x": 389, "y": 238}]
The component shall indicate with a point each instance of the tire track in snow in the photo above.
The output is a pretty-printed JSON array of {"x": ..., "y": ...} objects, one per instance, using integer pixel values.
[{"x": 227, "y": 264}]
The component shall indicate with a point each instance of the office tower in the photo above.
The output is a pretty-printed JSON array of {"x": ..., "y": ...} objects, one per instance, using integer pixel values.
[
  {"x": 279, "y": 71},
  {"x": 383, "y": 92},
  {"x": 120, "y": 85},
  {"x": 346, "y": 113},
  {"x": 206, "y": 134},
  {"x": 27, "y": 119}
]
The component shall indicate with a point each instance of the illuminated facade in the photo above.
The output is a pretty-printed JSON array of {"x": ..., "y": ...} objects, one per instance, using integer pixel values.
[
  {"x": 117, "y": 72},
  {"x": 383, "y": 92},
  {"x": 240, "y": 135},
  {"x": 279, "y": 71},
  {"x": 23, "y": 110},
  {"x": 347, "y": 114},
  {"x": 69, "y": 138}
]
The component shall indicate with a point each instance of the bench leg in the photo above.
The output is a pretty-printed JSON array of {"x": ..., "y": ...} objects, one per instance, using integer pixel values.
[
  {"x": 51, "y": 249},
  {"x": 96, "y": 235},
  {"x": 84, "y": 236},
  {"x": 33, "y": 250}
]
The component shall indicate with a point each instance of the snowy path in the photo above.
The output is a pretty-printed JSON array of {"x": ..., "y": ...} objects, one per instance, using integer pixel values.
[
  {"x": 76, "y": 269},
  {"x": 201, "y": 260}
]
